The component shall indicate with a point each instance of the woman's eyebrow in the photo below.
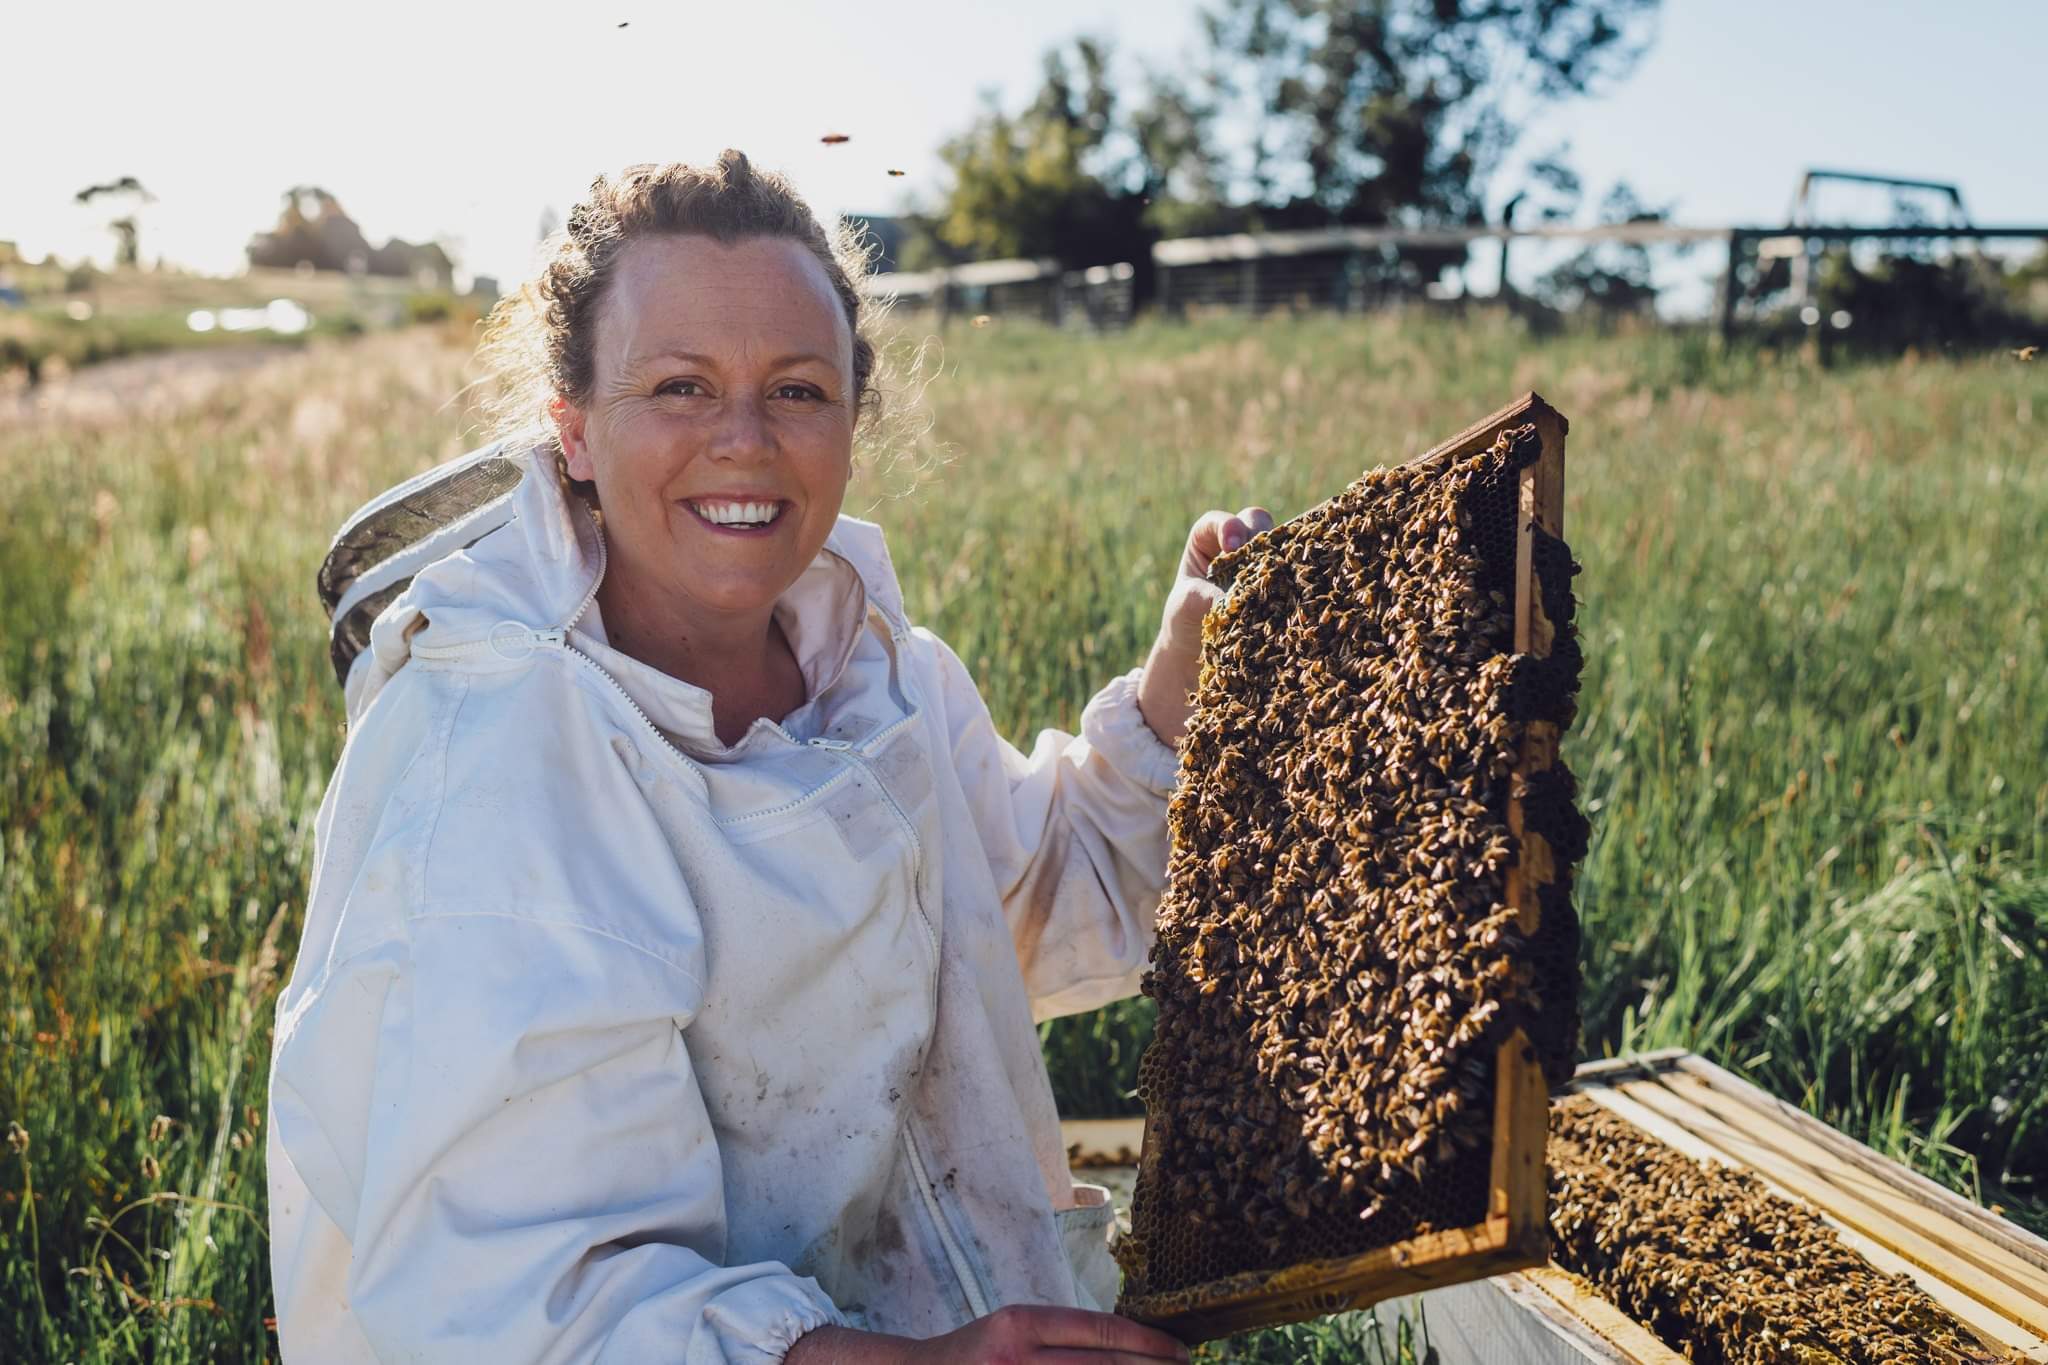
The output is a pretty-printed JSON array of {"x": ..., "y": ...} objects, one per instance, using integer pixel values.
[
  {"x": 798, "y": 357},
  {"x": 711, "y": 362}
]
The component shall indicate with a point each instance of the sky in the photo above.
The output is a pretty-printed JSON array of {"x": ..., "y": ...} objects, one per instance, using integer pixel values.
[{"x": 465, "y": 122}]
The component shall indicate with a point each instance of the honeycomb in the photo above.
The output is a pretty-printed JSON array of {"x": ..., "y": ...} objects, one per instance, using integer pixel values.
[
  {"x": 1337, "y": 960},
  {"x": 1717, "y": 1266}
]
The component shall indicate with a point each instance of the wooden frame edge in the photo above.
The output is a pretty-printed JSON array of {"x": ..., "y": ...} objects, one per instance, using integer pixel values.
[
  {"x": 1520, "y": 1178},
  {"x": 1585, "y": 1309},
  {"x": 2008, "y": 1235},
  {"x": 1530, "y": 407},
  {"x": 1514, "y": 1235}
]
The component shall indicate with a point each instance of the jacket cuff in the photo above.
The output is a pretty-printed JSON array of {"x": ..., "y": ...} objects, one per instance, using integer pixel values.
[
  {"x": 1113, "y": 724},
  {"x": 757, "y": 1322}
]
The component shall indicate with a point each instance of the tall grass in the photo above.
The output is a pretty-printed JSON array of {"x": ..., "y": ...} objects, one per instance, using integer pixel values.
[{"x": 1813, "y": 735}]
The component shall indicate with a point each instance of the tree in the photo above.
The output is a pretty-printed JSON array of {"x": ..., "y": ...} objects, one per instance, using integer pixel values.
[
  {"x": 1042, "y": 183},
  {"x": 1359, "y": 111},
  {"x": 129, "y": 196},
  {"x": 1382, "y": 111},
  {"x": 1080, "y": 174}
]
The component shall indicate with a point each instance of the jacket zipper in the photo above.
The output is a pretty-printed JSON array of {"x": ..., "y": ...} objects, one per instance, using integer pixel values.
[
  {"x": 559, "y": 638},
  {"x": 770, "y": 812},
  {"x": 970, "y": 1284}
]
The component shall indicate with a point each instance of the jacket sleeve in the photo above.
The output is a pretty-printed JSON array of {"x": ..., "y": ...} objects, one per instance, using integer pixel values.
[
  {"x": 1075, "y": 835},
  {"x": 500, "y": 1114}
]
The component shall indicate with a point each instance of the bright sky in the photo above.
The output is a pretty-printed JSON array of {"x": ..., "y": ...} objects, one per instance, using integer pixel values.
[{"x": 464, "y": 121}]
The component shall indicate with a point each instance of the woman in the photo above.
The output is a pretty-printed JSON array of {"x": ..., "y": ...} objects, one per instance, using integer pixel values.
[{"x": 679, "y": 919}]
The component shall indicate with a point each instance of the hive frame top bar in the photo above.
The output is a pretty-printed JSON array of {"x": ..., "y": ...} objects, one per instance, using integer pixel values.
[
  {"x": 1673, "y": 1062},
  {"x": 1530, "y": 407}
]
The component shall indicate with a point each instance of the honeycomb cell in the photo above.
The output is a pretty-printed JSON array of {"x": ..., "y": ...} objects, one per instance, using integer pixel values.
[{"x": 1337, "y": 960}]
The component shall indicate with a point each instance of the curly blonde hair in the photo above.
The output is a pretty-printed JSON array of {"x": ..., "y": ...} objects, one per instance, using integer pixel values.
[{"x": 539, "y": 343}]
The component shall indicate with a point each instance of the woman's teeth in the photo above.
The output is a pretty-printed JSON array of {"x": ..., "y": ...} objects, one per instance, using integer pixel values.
[{"x": 737, "y": 513}]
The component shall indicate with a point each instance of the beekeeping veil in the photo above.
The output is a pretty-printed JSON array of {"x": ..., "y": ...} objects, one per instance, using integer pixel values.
[{"x": 404, "y": 529}]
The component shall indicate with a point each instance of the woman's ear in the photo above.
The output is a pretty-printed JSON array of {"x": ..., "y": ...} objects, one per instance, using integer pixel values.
[{"x": 575, "y": 447}]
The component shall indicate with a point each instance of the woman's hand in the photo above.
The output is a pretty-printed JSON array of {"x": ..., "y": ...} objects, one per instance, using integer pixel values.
[
  {"x": 1176, "y": 658},
  {"x": 1017, "y": 1335}
]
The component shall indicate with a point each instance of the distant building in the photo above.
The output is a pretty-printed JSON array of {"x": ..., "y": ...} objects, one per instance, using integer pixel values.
[{"x": 314, "y": 233}]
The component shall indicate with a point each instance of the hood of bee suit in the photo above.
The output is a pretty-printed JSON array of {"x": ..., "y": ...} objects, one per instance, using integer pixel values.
[{"x": 473, "y": 558}]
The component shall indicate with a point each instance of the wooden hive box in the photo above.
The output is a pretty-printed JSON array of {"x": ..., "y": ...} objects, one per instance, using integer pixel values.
[
  {"x": 1991, "y": 1275},
  {"x": 1512, "y": 1231}
]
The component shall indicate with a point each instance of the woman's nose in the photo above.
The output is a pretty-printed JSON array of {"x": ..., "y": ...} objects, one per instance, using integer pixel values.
[{"x": 744, "y": 433}]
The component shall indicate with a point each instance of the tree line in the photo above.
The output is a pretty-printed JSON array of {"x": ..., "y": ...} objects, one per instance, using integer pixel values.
[{"x": 1297, "y": 114}]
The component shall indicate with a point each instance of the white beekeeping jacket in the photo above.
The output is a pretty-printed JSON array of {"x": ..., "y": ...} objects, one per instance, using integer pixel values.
[{"x": 607, "y": 1041}]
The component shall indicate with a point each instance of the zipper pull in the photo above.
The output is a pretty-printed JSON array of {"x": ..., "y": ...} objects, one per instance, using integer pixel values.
[
  {"x": 512, "y": 640},
  {"x": 837, "y": 745}
]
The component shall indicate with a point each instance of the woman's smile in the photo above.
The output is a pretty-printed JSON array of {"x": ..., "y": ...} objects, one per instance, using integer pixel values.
[{"x": 737, "y": 515}]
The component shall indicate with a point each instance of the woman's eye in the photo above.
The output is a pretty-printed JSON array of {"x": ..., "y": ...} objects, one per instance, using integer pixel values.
[
  {"x": 798, "y": 391},
  {"x": 677, "y": 386}
]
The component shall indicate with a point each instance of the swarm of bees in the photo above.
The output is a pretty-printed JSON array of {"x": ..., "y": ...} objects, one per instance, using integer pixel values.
[
  {"x": 1719, "y": 1267},
  {"x": 1338, "y": 961}
]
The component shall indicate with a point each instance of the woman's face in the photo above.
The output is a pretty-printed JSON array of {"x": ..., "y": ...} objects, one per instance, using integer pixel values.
[{"x": 719, "y": 427}]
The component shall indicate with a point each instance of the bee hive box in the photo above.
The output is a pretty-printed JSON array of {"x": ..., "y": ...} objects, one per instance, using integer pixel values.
[
  {"x": 1697, "y": 1207},
  {"x": 1366, "y": 967}
]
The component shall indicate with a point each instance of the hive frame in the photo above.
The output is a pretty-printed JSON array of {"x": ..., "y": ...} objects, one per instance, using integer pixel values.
[
  {"x": 1990, "y": 1274},
  {"x": 1514, "y": 1235}
]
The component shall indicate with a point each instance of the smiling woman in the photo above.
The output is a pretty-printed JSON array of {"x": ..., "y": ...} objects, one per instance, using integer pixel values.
[{"x": 679, "y": 919}]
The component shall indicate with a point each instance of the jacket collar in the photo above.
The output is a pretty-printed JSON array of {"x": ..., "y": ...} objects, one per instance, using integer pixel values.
[{"x": 542, "y": 568}]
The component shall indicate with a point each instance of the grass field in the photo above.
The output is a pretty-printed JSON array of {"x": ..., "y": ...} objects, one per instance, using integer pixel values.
[{"x": 1813, "y": 735}]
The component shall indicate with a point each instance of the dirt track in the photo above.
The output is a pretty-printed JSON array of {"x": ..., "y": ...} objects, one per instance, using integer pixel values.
[{"x": 164, "y": 383}]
